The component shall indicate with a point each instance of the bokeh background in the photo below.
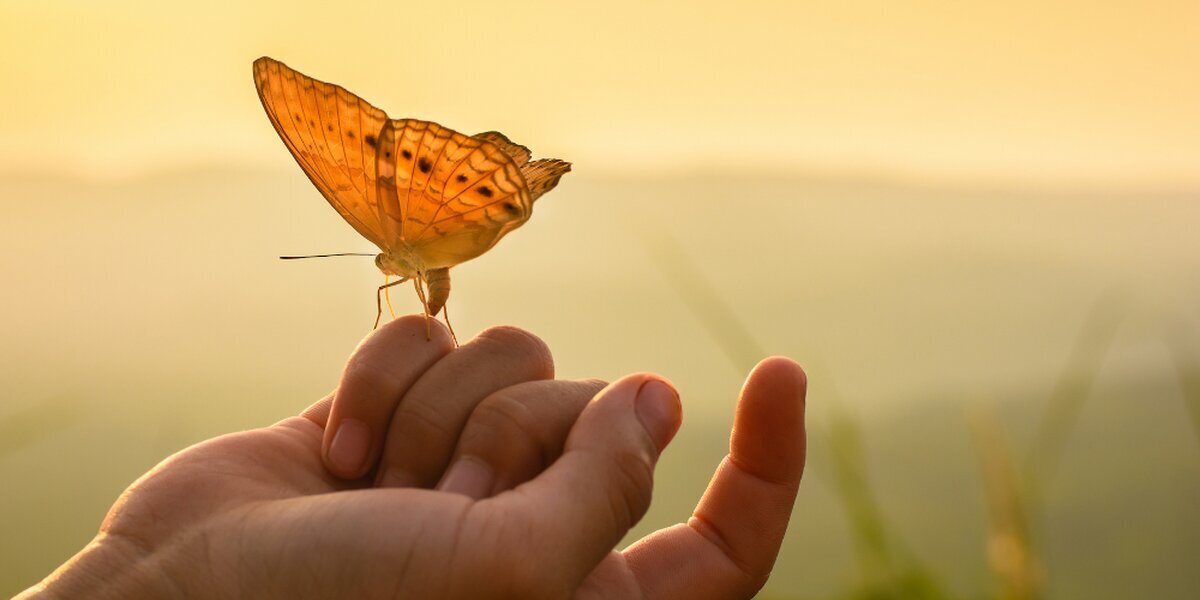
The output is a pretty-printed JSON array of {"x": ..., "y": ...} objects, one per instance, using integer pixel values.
[{"x": 975, "y": 223}]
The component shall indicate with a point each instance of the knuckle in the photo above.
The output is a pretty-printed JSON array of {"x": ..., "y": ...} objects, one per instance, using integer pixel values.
[
  {"x": 504, "y": 429},
  {"x": 506, "y": 412},
  {"x": 504, "y": 416},
  {"x": 516, "y": 339}
]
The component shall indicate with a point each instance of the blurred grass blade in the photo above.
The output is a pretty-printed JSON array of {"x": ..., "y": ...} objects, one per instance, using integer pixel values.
[
  {"x": 887, "y": 569},
  {"x": 1072, "y": 389},
  {"x": 1184, "y": 346},
  {"x": 37, "y": 422},
  {"x": 705, "y": 302},
  {"x": 871, "y": 544},
  {"x": 1010, "y": 549}
]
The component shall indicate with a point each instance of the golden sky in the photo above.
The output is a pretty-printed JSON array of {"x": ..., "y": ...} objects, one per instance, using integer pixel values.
[{"x": 1100, "y": 92}]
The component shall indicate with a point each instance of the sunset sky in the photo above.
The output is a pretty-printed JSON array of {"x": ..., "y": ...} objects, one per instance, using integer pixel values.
[{"x": 1062, "y": 92}]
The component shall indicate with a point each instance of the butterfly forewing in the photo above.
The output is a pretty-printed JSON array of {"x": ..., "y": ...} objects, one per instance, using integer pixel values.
[
  {"x": 330, "y": 132},
  {"x": 390, "y": 183}
]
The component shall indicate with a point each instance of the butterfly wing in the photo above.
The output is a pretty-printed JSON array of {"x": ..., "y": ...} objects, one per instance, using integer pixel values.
[
  {"x": 454, "y": 195},
  {"x": 543, "y": 174},
  {"x": 334, "y": 135},
  {"x": 520, "y": 154}
]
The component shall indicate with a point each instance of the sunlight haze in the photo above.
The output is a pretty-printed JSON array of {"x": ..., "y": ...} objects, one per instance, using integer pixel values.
[
  {"x": 940, "y": 209},
  {"x": 1062, "y": 92}
]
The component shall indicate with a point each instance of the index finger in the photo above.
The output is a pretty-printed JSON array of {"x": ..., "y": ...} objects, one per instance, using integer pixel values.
[
  {"x": 729, "y": 545},
  {"x": 376, "y": 377}
]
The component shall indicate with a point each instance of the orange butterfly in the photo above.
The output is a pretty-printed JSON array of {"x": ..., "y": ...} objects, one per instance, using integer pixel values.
[{"x": 427, "y": 196}]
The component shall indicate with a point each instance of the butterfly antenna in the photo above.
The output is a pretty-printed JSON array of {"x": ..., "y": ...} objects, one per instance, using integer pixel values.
[{"x": 325, "y": 255}]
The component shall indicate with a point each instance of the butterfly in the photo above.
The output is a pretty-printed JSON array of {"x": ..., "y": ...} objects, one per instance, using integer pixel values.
[{"x": 427, "y": 196}]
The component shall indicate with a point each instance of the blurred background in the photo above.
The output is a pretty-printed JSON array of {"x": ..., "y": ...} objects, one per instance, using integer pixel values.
[{"x": 976, "y": 225}]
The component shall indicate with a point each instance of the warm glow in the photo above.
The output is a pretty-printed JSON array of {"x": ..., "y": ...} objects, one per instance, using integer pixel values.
[
  {"x": 936, "y": 207},
  {"x": 1061, "y": 92}
]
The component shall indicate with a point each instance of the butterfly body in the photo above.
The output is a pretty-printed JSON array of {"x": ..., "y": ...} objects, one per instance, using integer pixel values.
[
  {"x": 427, "y": 196},
  {"x": 401, "y": 262}
]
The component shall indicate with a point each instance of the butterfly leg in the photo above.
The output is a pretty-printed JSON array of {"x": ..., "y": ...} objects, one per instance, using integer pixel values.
[
  {"x": 424, "y": 303},
  {"x": 387, "y": 296},
  {"x": 446, "y": 315},
  {"x": 379, "y": 302}
]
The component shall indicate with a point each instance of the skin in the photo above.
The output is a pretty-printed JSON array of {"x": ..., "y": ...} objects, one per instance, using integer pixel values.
[{"x": 435, "y": 472}]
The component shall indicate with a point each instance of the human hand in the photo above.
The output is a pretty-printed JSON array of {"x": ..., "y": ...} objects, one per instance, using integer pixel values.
[{"x": 253, "y": 513}]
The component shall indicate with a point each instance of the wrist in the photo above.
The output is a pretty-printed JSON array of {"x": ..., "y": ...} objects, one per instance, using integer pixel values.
[{"x": 108, "y": 567}]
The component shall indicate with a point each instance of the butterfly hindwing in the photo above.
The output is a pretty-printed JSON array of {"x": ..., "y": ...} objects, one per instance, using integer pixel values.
[
  {"x": 457, "y": 194},
  {"x": 542, "y": 175},
  {"x": 520, "y": 154}
]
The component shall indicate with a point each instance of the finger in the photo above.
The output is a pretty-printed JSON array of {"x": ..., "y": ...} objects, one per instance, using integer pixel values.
[
  {"x": 427, "y": 424},
  {"x": 514, "y": 434},
  {"x": 600, "y": 487},
  {"x": 318, "y": 412},
  {"x": 376, "y": 377},
  {"x": 729, "y": 545}
]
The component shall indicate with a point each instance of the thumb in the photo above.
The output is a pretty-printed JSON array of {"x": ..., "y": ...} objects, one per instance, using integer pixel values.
[{"x": 581, "y": 507}]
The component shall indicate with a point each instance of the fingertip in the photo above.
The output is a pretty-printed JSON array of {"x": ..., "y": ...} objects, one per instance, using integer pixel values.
[
  {"x": 781, "y": 371},
  {"x": 408, "y": 328},
  {"x": 517, "y": 339},
  {"x": 769, "y": 433},
  {"x": 779, "y": 384}
]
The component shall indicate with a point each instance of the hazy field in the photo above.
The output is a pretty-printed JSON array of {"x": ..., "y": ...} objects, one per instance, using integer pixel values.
[{"x": 141, "y": 316}]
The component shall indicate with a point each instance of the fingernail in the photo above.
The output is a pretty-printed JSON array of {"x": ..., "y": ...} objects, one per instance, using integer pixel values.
[
  {"x": 349, "y": 447},
  {"x": 658, "y": 409},
  {"x": 470, "y": 477}
]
